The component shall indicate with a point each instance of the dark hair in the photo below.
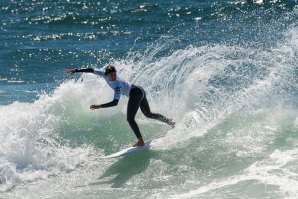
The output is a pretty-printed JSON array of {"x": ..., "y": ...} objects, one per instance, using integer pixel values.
[{"x": 110, "y": 69}]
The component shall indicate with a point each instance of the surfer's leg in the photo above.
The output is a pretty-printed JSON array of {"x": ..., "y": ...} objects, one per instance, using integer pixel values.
[
  {"x": 145, "y": 108},
  {"x": 132, "y": 109}
]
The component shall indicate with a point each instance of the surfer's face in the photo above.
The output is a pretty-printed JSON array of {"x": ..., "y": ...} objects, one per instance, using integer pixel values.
[{"x": 112, "y": 76}]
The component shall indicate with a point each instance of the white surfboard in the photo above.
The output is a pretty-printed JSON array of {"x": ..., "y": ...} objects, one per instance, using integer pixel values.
[{"x": 131, "y": 150}]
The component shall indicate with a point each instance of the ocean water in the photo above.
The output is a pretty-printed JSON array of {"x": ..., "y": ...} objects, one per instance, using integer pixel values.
[{"x": 225, "y": 71}]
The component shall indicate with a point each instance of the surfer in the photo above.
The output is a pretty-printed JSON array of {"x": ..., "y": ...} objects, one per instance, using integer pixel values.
[{"x": 136, "y": 95}]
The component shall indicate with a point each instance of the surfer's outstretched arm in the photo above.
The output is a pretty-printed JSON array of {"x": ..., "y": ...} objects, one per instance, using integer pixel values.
[
  {"x": 81, "y": 70},
  {"x": 109, "y": 104}
]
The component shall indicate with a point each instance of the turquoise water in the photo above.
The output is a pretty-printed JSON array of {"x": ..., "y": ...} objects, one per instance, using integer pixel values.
[{"x": 225, "y": 71}]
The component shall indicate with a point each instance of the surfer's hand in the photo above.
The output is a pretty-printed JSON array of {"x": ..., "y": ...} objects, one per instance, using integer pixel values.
[
  {"x": 71, "y": 71},
  {"x": 94, "y": 106}
]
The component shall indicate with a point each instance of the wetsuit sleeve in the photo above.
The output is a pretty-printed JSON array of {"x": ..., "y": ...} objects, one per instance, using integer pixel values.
[
  {"x": 99, "y": 72},
  {"x": 85, "y": 70},
  {"x": 110, "y": 104}
]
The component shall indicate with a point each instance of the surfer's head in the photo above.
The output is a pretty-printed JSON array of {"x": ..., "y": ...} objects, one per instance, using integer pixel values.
[{"x": 111, "y": 71}]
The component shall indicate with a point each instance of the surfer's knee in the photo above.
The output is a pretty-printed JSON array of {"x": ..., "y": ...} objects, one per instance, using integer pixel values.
[{"x": 148, "y": 114}]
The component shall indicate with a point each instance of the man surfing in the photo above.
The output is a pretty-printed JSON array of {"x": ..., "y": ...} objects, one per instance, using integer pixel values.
[{"x": 136, "y": 95}]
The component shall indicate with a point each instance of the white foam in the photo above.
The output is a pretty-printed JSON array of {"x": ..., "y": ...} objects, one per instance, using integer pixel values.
[
  {"x": 271, "y": 171},
  {"x": 183, "y": 83},
  {"x": 31, "y": 149}
]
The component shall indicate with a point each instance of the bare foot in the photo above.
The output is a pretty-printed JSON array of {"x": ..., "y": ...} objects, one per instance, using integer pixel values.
[
  {"x": 139, "y": 143},
  {"x": 172, "y": 123}
]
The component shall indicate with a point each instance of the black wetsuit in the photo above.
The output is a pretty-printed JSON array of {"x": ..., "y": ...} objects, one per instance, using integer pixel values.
[{"x": 137, "y": 98}]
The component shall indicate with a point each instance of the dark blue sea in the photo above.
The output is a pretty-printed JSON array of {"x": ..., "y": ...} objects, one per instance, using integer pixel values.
[{"x": 224, "y": 70}]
